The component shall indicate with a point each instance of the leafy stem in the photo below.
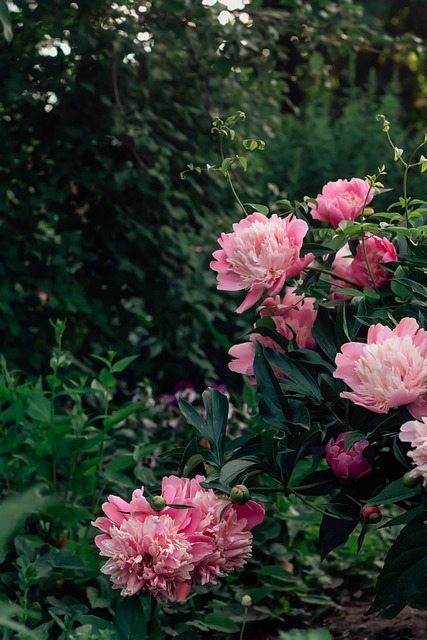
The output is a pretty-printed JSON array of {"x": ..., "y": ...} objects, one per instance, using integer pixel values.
[{"x": 311, "y": 505}]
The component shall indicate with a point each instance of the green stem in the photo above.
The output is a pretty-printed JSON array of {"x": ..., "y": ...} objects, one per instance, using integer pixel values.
[
  {"x": 311, "y": 505},
  {"x": 310, "y": 486},
  {"x": 328, "y": 272},
  {"x": 245, "y": 615},
  {"x": 228, "y": 178}
]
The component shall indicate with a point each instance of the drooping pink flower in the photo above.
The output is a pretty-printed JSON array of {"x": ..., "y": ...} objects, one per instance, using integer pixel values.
[
  {"x": 389, "y": 371},
  {"x": 378, "y": 250},
  {"x": 166, "y": 552},
  {"x": 294, "y": 316},
  {"x": 347, "y": 465},
  {"x": 415, "y": 433},
  {"x": 341, "y": 200},
  {"x": 260, "y": 255}
]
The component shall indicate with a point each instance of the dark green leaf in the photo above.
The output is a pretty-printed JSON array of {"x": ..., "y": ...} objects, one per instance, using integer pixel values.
[{"x": 130, "y": 619}]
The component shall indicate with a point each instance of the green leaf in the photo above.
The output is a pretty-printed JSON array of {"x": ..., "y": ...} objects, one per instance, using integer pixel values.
[
  {"x": 193, "y": 418},
  {"x": 107, "y": 378},
  {"x": 216, "y": 405},
  {"x": 220, "y": 622},
  {"x": 298, "y": 380},
  {"x": 39, "y": 407},
  {"x": 130, "y": 619},
  {"x": 402, "y": 580},
  {"x": 122, "y": 364},
  {"x": 233, "y": 470},
  {"x": 394, "y": 492},
  {"x": 334, "y": 532},
  {"x": 122, "y": 414},
  {"x": 14, "y": 511},
  {"x": 260, "y": 208},
  {"x": 243, "y": 162},
  {"x": 270, "y": 395}
]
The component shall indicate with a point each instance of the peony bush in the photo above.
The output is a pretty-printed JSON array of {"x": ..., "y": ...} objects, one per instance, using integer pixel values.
[{"x": 337, "y": 313}]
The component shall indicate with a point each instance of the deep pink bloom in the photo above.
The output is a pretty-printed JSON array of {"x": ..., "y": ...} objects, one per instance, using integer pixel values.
[
  {"x": 389, "y": 371},
  {"x": 166, "y": 552},
  {"x": 294, "y": 316},
  {"x": 341, "y": 200},
  {"x": 347, "y": 465},
  {"x": 260, "y": 255},
  {"x": 377, "y": 250},
  {"x": 415, "y": 433}
]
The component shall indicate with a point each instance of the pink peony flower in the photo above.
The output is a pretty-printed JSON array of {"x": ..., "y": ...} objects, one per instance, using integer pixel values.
[
  {"x": 415, "y": 433},
  {"x": 148, "y": 555},
  {"x": 342, "y": 200},
  {"x": 293, "y": 317},
  {"x": 347, "y": 465},
  {"x": 389, "y": 371},
  {"x": 260, "y": 254},
  {"x": 166, "y": 552},
  {"x": 377, "y": 250}
]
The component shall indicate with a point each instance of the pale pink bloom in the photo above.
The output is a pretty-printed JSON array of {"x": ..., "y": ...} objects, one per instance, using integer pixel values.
[
  {"x": 347, "y": 465},
  {"x": 341, "y": 200},
  {"x": 293, "y": 317},
  {"x": 260, "y": 255},
  {"x": 389, "y": 371},
  {"x": 166, "y": 552},
  {"x": 148, "y": 555},
  {"x": 377, "y": 250},
  {"x": 415, "y": 433}
]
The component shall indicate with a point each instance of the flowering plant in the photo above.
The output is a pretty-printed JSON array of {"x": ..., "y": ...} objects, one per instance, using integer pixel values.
[{"x": 338, "y": 352}]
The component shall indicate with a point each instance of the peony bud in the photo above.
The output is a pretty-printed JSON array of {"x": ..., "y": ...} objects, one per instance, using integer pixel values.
[
  {"x": 239, "y": 494},
  {"x": 347, "y": 465},
  {"x": 371, "y": 514},
  {"x": 158, "y": 503},
  {"x": 246, "y": 601},
  {"x": 409, "y": 481}
]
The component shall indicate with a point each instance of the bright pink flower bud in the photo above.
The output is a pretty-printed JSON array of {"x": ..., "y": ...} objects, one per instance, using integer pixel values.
[
  {"x": 347, "y": 465},
  {"x": 370, "y": 514},
  {"x": 378, "y": 250}
]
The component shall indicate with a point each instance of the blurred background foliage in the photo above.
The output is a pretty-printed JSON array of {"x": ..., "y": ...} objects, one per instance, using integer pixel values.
[{"x": 103, "y": 105}]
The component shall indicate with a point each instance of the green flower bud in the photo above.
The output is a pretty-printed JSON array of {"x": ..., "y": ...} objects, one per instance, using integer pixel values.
[
  {"x": 158, "y": 503},
  {"x": 409, "y": 481},
  {"x": 371, "y": 514},
  {"x": 239, "y": 494}
]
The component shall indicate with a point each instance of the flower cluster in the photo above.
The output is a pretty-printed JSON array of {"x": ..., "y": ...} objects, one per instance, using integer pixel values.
[{"x": 166, "y": 552}]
